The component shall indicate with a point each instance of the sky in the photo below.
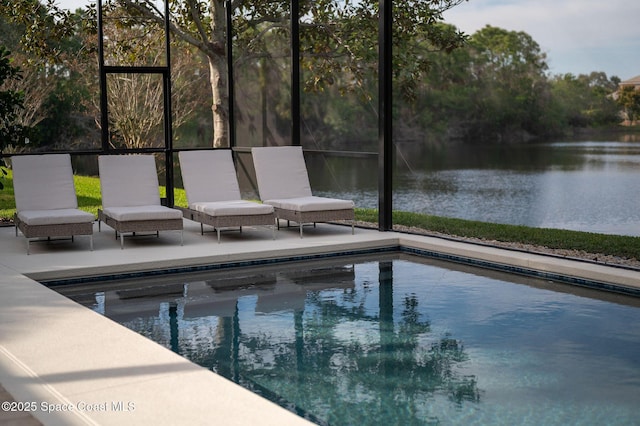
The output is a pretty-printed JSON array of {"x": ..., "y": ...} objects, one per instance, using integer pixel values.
[{"x": 578, "y": 36}]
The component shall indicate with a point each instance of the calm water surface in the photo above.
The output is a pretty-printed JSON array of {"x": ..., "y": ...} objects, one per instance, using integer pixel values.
[
  {"x": 587, "y": 185},
  {"x": 399, "y": 340}
]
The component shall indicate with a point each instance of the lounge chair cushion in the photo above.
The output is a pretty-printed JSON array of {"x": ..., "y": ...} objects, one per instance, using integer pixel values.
[
  {"x": 54, "y": 217},
  {"x": 128, "y": 180},
  {"x": 209, "y": 175},
  {"x": 29, "y": 175},
  {"x": 311, "y": 204},
  {"x": 282, "y": 172},
  {"x": 143, "y": 213},
  {"x": 232, "y": 208}
]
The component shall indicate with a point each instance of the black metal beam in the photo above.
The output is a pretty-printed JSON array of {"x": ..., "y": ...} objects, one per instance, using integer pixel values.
[
  {"x": 385, "y": 102},
  {"x": 104, "y": 117},
  {"x": 127, "y": 69},
  {"x": 168, "y": 116},
  {"x": 385, "y": 117},
  {"x": 165, "y": 72},
  {"x": 230, "y": 77},
  {"x": 295, "y": 73}
]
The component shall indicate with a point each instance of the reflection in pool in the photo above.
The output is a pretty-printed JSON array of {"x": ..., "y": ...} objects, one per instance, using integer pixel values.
[{"x": 397, "y": 340}]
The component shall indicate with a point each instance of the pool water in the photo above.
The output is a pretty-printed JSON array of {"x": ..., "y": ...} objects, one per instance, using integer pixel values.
[{"x": 399, "y": 340}]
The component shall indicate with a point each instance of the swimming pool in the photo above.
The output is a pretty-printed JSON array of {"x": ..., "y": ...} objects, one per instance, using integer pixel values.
[{"x": 396, "y": 339}]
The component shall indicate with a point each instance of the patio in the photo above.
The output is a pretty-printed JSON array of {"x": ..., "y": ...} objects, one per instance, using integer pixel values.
[{"x": 81, "y": 368}]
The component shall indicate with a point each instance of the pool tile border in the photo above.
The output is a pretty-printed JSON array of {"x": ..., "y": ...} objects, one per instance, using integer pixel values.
[
  {"x": 400, "y": 248},
  {"x": 528, "y": 272}
]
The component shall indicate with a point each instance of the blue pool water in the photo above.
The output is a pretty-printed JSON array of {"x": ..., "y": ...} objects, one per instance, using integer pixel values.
[{"x": 397, "y": 340}]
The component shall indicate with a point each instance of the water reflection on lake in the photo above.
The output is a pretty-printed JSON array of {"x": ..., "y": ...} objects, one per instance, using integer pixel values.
[{"x": 585, "y": 185}]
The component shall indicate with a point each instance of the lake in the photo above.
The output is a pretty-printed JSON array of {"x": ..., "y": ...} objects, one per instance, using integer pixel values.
[{"x": 587, "y": 185}]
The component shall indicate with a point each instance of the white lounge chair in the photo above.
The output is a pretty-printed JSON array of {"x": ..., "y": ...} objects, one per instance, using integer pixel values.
[
  {"x": 283, "y": 182},
  {"x": 213, "y": 194},
  {"x": 46, "y": 201},
  {"x": 131, "y": 197}
]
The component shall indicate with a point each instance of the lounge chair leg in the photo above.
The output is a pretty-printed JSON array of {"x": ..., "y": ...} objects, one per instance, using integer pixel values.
[
  {"x": 16, "y": 230},
  {"x": 353, "y": 228},
  {"x": 121, "y": 241},
  {"x": 300, "y": 229},
  {"x": 181, "y": 237},
  {"x": 218, "y": 231},
  {"x": 28, "y": 246},
  {"x": 201, "y": 229},
  {"x": 91, "y": 242},
  {"x": 273, "y": 232},
  {"x": 99, "y": 222}
]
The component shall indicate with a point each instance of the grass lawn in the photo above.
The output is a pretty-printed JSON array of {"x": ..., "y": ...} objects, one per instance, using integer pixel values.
[
  {"x": 614, "y": 245},
  {"x": 89, "y": 199}
]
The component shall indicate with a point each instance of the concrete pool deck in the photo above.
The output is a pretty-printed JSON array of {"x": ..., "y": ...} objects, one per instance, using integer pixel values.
[{"x": 74, "y": 366}]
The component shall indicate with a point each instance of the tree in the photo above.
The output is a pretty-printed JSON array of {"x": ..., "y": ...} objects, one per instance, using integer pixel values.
[
  {"x": 135, "y": 101},
  {"x": 509, "y": 71},
  {"x": 52, "y": 56},
  {"x": 37, "y": 82},
  {"x": 333, "y": 29},
  {"x": 445, "y": 104},
  {"x": 45, "y": 25},
  {"x": 201, "y": 25},
  {"x": 11, "y": 101},
  {"x": 29, "y": 14},
  {"x": 336, "y": 37},
  {"x": 585, "y": 100},
  {"x": 629, "y": 100}
]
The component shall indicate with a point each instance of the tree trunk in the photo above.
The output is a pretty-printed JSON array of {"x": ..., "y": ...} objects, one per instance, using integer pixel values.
[
  {"x": 218, "y": 74},
  {"x": 220, "y": 105},
  {"x": 213, "y": 44}
]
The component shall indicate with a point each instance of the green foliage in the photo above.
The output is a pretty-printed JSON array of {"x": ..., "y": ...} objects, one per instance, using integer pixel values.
[
  {"x": 585, "y": 100},
  {"x": 45, "y": 25},
  {"x": 55, "y": 61},
  {"x": 511, "y": 84},
  {"x": 489, "y": 86},
  {"x": 497, "y": 88},
  {"x": 629, "y": 99},
  {"x": 11, "y": 102},
  {"x": 341, "y": 38},
  {"x": 66, "y": 100},
  {"x": 3, "y": 174},
  {"x": 7, "y": 202}
]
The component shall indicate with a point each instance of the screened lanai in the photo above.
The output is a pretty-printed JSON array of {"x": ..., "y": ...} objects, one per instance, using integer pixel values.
[
  {"x": 270, "y": 106},
  {"x": 387, "y": 117},
  {"x": 286, "y": 75}
]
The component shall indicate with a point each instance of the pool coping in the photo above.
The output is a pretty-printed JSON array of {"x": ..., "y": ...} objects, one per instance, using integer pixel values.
[
  {"x": 86, "y": 363},
  {"x": 572, "y": 276}
]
